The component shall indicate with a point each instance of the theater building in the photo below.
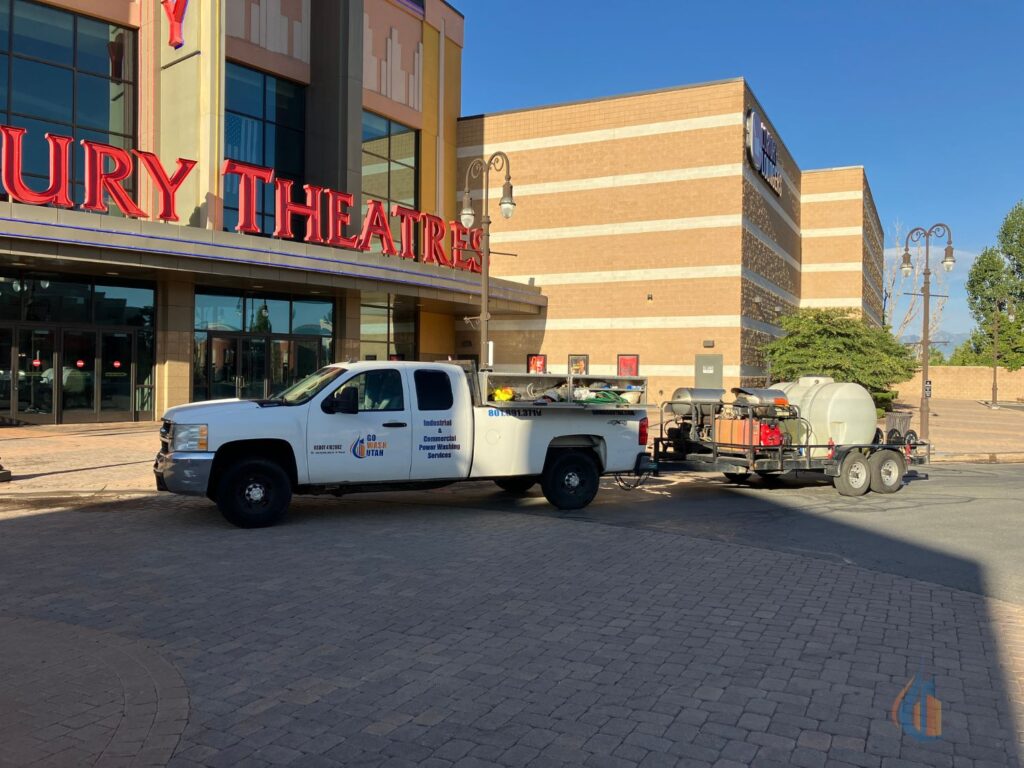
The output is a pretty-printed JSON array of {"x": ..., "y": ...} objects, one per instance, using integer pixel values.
[
  {"x": 141, "y": 136},
  {"x": 213, "y": 199},
  {"x": 669, "y": 231}
]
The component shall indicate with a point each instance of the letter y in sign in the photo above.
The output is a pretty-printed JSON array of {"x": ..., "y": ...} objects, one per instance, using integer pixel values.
[{"x": 175, "y": 10}]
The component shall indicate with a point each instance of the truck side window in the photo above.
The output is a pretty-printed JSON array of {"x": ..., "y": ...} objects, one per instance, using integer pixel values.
[
  {"x": 433, "y": 390},
  {"x": 378, "y": 390}
]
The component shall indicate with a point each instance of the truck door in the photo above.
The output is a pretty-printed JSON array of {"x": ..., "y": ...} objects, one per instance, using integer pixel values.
[
  {"x": 371, "y": 446},
  {"x": 442, "y": 430}
]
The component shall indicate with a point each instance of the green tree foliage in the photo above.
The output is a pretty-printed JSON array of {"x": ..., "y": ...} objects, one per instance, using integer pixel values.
[
  {"x": 936, "y": 357},
  {"x": 1011, "y": 239},
  {"x": 837, "y": 343},
  {"x": 994, "y": 292}
]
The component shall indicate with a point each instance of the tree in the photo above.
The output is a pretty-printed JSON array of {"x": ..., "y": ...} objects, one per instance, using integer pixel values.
[
  {"x": 840, "y": 344},
  {"x": 936, "y": 357},
  {"x": 993, "y": 289},
  {"x": 1011, "y": 239},
  {"x": 901, "y": 296}
]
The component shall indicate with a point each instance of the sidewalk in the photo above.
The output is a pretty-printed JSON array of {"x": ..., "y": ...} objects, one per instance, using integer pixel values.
[
  {"x": 79, "y": 459},
  {"x": 966, "y": 430}
]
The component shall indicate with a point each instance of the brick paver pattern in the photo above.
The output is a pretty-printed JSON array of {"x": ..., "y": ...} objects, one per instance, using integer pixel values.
[{"x": 365, "y": 633}]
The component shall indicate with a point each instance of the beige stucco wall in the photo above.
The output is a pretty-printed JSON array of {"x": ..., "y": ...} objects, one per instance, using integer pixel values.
[{"x": 965, "y": 383}]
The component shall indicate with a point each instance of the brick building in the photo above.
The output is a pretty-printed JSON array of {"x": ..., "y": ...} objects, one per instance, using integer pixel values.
[
  {"x": 210, "y": 200},
  {"x": 646, "y": 224}
]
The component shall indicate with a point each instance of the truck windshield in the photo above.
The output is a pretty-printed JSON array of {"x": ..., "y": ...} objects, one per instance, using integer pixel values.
[{"x": 302, "y": 391}]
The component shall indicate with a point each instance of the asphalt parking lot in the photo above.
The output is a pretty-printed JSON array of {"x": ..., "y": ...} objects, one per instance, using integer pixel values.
[{"x": 690, "y": 622}]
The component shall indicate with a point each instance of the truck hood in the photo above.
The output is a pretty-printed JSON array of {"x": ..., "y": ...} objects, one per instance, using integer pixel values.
[{"x": 201, "y": 413}]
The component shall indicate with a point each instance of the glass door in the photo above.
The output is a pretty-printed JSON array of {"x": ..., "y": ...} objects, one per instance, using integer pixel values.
[
  {"x": 77, "y": 377},
  {"x": 116, "y": 366},
  {"x": 253, "y": 383},
  {"x": 8, "y": 378},
  {"x": 37, "y": 359},
  {"x": 223, "y": 367}
]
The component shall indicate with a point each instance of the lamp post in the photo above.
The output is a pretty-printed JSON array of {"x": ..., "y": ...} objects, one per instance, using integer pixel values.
[
  {"x": 497, "y": 162},
  {"x": 1001, "y": 306},
  {"x": 914, "y": 236}
]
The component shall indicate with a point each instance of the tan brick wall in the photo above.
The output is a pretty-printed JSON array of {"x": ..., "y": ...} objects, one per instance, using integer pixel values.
[
  {"x": 964, "y": 383},
  {"x": 614, "y": 167}
]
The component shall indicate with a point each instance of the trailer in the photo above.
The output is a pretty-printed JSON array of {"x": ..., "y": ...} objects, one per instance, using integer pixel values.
[{"x": 814, "y": 424}]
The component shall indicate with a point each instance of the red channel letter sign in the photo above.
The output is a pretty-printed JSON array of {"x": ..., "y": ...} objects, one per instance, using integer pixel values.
[
  {"x": 326, "y": 212},
  {"x": 175, "y": 10}
]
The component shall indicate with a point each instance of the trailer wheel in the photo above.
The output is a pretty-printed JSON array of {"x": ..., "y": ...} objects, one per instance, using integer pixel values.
[
  {"x": 254, "y": 493},
  {"x": 517, "y": 485},
  {"x": 570, "y": 480},
  {"x": 894, "y": 437},
  {"x": 737, "y": 477},
  {"x": 911, "y": 438},
  {"x": 887, "y": 471},
  {"x": 854, "y": 478}
]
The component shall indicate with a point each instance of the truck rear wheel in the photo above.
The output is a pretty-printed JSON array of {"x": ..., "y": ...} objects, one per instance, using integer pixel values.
[
  {"x": 570, "y": 480},
  {"x": 887, "y": 471},
  {"x": 517, "y": 485},
  {"x": 854, "y": 478},
  {"x": 254, "y": 493}
]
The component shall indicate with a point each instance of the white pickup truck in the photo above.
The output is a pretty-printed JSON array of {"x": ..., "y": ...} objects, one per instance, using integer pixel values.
[{"x": 365, "y": 426}]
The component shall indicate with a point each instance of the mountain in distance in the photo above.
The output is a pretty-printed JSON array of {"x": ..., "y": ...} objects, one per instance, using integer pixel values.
[{"x": 952, "y": 339}]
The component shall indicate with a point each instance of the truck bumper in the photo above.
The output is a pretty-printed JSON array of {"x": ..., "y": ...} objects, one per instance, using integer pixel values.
[{"x": 185, "y": 473}]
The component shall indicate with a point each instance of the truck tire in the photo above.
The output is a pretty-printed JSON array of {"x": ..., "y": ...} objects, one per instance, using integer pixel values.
[
  {"x": 254, "y": 493},
  {"x": 854, "y": 478},
  {"x": 887, "y": 471},
  {"x": 516, "y": 485},
  {"x": 570, "y": 480}
]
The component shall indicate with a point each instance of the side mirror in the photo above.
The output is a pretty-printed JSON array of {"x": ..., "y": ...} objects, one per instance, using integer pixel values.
[{"x": 347, "y": 401}]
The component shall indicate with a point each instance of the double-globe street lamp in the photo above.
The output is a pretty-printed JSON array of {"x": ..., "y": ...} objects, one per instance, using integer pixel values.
[
  {"x": 497, "y": 162},
  {"x": 1002, "y": 305},
  {"x": 915, "y": 236}
]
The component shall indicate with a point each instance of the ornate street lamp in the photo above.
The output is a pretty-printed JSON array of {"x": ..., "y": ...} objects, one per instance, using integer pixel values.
[
  {"x": 497, "y": 162},
  {"x": 948, "y": 261}
]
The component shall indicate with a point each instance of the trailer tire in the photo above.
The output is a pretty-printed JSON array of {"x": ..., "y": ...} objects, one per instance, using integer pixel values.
[
  {"x": 737, "y": 477},
  {"x": 854, "y": 478},
  {"x": 516, "y": 485},
  {"x": 911, "y": 438},
  {"x": 570, "y": 480},
  {"x": 254, "y": 493},
  {"x": 887, "y": 471}
]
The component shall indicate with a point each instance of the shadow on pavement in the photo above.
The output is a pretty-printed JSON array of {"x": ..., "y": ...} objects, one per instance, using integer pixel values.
[{"x": 450, "y": 625}]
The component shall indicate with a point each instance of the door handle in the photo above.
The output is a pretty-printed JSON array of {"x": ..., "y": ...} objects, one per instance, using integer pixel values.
[{"x": 394, "y": 424}]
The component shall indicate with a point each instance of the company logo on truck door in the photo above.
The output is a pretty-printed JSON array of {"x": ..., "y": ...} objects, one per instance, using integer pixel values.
[{"x": 368, "y": 447}]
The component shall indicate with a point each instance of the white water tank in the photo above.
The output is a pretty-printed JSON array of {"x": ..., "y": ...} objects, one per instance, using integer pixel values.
[{"x": 844, "y": 413}]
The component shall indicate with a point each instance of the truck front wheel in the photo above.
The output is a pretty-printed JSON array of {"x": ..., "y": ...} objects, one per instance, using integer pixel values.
[
  {"x": 570, "y": 480},
  {"x": 254, "y": 493},
  {"x": 517, "y": 485}
]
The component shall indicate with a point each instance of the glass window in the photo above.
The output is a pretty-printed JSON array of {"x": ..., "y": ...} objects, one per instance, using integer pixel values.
[
  {"x": 244, "y": 90},
  {"x": 264, "y": 125},
  {"x": 104, "y": 104},
  {"x": 42, "y": 90},
  {"x": 104, "y": 49},
  {"x": 69, "y": 75},
  {"x": 377, "y": 390},
  {"x": 10, "y": 298},
  {"x": 218, "y": 313},
  {"x": 200, "y": 381},
  {"x": 313, "y": 318},
  {"x": 390, "y": 161},
  {"x": 120, "y": 305},
  {"x": 43, "y": 32},
  {"x": 387, "y": 328},
  {"x": 433, "y": 390},
  {"x": 267, "y": 315},
  {"x": 55, "y": 301}
]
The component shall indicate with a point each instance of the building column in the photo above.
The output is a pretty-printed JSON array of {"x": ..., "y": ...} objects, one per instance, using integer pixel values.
[
  {"x": 347, "y": 326},
  {"x": 175, "y": 319}
]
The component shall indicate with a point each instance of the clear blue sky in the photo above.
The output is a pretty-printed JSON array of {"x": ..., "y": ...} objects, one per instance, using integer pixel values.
[{"x": 928, "y": 96}]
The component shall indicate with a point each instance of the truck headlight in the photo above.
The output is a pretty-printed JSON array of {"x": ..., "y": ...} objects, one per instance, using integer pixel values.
[{"x": 189, "y": 437}]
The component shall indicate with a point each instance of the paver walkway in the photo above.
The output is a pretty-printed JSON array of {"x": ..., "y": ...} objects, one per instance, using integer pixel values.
[{"x": 364, "y": 633}]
